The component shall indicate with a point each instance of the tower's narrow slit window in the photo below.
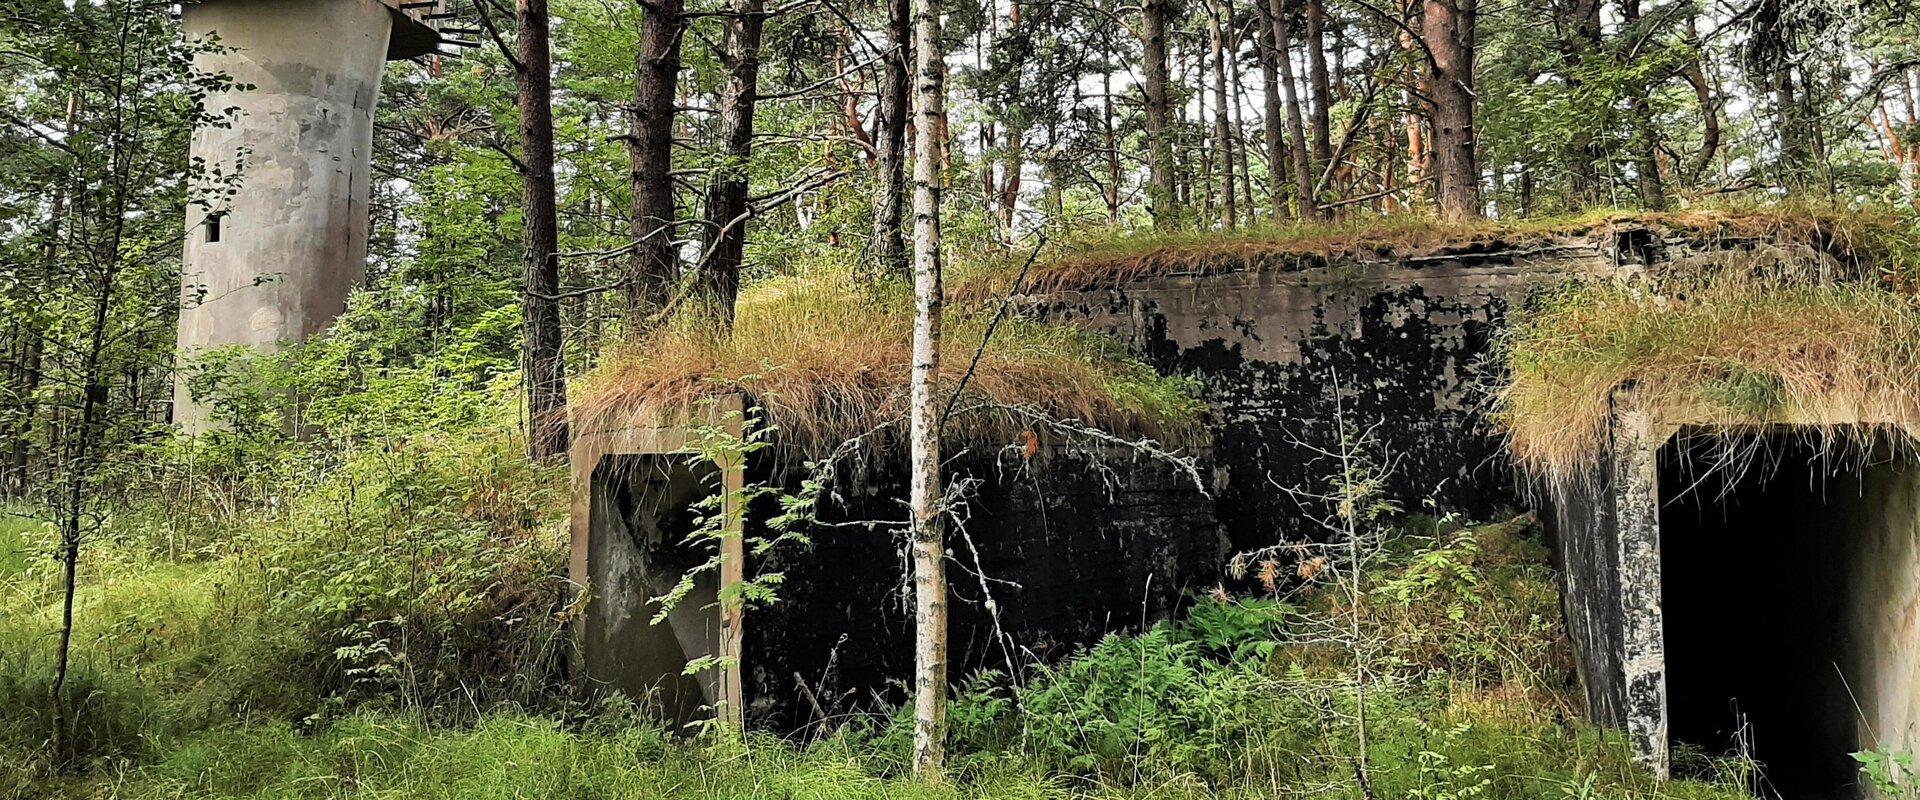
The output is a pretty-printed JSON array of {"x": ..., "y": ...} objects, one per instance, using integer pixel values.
[{"x": 213, "y": 228}]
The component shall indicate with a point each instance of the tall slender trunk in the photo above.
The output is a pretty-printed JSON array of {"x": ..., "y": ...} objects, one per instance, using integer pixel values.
[
  {"x": 1271, "y": 121},
  {"x": 1012, "y": 165},
  {"x": 1303, "y": 175},
  {"x": 1646, "y": 135},
  {"x": 727, "y": 194},
  {"x": 1580, "y": 21},
  {"x": 890, "y": 188},
  {"x": 656, "y": 78},
  {"x": 1709, "y": 122},
  {"x": 1201, "y": 132},
  {"x": 80, "y": 465},
  {"x": 1222, "y": 137},
  {"x": 543, "y": 355},
  {"x": 1115, "y": 171},
  {"x": 1158, "y": 112},
  {"x": 924, "y": 493},
  {"x": 1415, "y": 122},
  {"x": 1243, "y": 170},
  {"x": 1794, "y": 159},
  {"x": 1320, "y": 84},
  {"x": 1449, "y": 32},
  {"x": 25, "y": 378}
]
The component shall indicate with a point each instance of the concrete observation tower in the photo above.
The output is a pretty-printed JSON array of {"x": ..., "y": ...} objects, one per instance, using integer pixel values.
[{"x": 274, "y": 262}]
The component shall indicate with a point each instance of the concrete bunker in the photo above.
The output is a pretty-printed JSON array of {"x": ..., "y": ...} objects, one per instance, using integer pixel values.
[
  {"x": 1415, "y": 333},
  {"x": 1424, "y": 333},
  {"x": 1056, "y": 545}
]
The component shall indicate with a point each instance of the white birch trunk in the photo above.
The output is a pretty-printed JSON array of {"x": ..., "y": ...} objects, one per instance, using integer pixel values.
[{"x": 929, "y": 547}]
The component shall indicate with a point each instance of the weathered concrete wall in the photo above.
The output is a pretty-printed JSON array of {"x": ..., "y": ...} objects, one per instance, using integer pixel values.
[
  {"x": 1406, "y": 338},
  {"x": 274, "y": 262},
  {"x": 1056, "y": 551},
  {"x": 1403, "y": 339},
  {"x": 1883, "y": 604},
  {"x": 1580, "y": 520}
]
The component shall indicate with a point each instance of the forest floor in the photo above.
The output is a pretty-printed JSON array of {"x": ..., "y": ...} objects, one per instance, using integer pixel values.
[{"x": 405, "y": 650}]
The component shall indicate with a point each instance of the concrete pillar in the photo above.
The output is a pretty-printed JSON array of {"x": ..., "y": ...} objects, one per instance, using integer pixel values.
[
  {"x": 1636, "y": 499},
  {"x": 274, "y": 261}
]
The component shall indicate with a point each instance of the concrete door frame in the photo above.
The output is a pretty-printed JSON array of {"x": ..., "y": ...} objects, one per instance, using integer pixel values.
[
  {"x": 671, "y": 432},
  {"x": 1631, "y": 485}
]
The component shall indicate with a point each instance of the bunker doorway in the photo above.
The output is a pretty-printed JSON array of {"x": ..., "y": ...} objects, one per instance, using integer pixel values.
[
  {"x": 644, "y": 508},
  {"x": 1787, "y": 591}
]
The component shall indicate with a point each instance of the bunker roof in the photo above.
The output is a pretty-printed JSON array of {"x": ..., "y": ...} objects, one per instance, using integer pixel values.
[
  {"x": 828, "y": 358},
  {"x": 1723, "y": 355},
  {"x": 1849, "y": 238}
]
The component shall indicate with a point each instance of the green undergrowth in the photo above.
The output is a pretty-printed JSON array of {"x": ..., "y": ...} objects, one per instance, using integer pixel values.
[
  {"x": 419, "y": 575},
  {"x": 202, "y": 681}
]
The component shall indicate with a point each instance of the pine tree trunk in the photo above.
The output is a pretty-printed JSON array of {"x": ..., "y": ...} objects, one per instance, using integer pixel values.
[
  {"x": 1243, "y": 170},
  {"x": 657, "y": 72},
  {"x": 1448, "y": 30},
  {"x": 1322, "y": 87},
  {"x": 1271, "y": 121},
  {"x": 542, "y": 349},
  {"x": 1159, "y": 123},
  {"x": 890, "y": 188},
  {"x": 924, "y": 494},
  {"x": 1303, "y": 175},
  {"x": 1646, "y": 136},
  {"x": 1580, "y": 20},
  {"x": 1115, "y": 171},
  {"x": 1222, "y": 137},
  {"x": 727, "y": 195}
]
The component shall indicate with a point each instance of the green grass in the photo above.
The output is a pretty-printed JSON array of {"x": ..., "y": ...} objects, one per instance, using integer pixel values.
[
  {"x": 180, "y": 657},
  {"x": 20, "y": 536}
]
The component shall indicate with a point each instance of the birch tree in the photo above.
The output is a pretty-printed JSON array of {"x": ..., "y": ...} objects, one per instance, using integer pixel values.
[{"x": 928, "y": 539}]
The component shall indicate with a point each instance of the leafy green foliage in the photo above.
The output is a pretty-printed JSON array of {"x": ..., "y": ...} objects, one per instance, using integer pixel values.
[{"x": 1889, "y": 772}]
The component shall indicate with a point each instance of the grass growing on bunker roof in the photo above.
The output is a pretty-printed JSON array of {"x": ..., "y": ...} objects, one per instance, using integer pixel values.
[
  {"x": 1877, "y": 236},
  {"x": 1733, "y": 353},
  {"x": 828, "y": 359}
]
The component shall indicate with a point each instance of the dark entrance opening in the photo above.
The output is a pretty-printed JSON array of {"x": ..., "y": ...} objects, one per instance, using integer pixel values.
[
  {"x": 1757, "y": 562},
  {"x": 645, "y": 507}
]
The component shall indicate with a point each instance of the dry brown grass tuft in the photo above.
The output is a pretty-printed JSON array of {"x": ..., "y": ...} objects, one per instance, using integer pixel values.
[
  {"x": 1850, "y": 234},
  {"x": 828, "y": 360},
  {"x": 1733, "y": 354}
]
